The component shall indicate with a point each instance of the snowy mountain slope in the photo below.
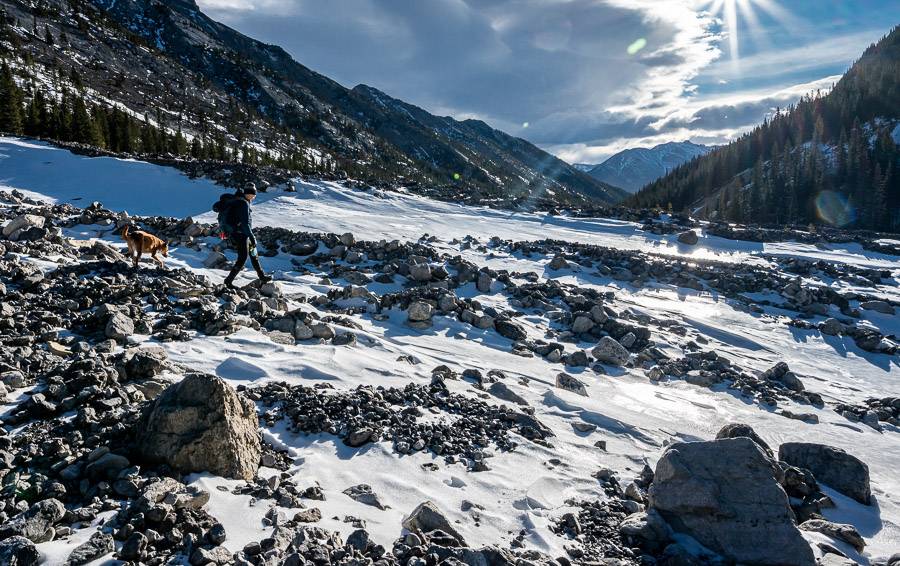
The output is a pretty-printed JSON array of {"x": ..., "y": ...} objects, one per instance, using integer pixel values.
[
  {"x": 373, "y": 214},
  {"x": 526, "y": 489},
  {"x": 170, "y": 64},
  {"x": 633, "y": 169}
]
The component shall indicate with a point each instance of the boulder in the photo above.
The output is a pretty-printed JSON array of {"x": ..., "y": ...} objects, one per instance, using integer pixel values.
[
  {"x": 883, "y": 307},
  {"x": 146, "y": 362},
  {"x": 582, "y": 324},
  {"x": 420, "y": 272},
  {"x": 483, "y": 284},
  {"x": 738, "y": 430},
  {"x": 119, "y": 327},
  {"x": 839, "y": 531},
  {"x": 426, "y": 518},
  {"x": 18, "y": 551},
  {"x": 100, "y": 544},
  {"x": 36, "y": 522},
  {"x": 831, "y": 466},
  {"x": 724, "y": 494},
  {"x": 571, "y": 383},
  {"x": 649, "y": 529},
  {"x": 419, "y": 311},
  {"x": 22, "y": 223},
  {"x": 609, "y": 351},
  {"x": 201, "y": 424},
  {"x": 509, "y": 329},
  {"x": 214, "y": 260},
  {"x": 688, "y": 237}
]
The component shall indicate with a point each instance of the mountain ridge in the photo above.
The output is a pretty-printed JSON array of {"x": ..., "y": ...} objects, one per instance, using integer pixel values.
[
  {"x": 169, "y": 61},
  {"x": 634, "y": 168}
]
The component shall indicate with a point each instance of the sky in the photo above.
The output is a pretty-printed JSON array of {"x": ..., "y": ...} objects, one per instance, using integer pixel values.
[{"x": 582, "y": 79}]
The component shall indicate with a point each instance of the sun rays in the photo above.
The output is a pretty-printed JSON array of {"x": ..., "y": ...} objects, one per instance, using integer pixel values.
[{"x": 742, "y": 15}]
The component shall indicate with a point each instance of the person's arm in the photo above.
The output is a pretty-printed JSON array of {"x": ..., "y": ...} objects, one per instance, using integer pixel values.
[{"x": 245, "y": 222}]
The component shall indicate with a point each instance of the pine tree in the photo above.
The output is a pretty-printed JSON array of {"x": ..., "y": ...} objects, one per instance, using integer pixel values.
[{"x": 10, "y": 102}]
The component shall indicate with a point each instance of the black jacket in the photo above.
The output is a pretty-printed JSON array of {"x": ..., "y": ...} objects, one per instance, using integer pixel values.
[{"x": 242, "y": 217}]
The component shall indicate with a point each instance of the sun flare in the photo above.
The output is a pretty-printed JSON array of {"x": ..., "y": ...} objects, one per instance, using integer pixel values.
[{"x": 734, "y": 13}]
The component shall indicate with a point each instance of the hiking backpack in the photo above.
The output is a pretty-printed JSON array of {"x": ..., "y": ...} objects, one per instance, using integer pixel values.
[{"x": 225, "y": 209}]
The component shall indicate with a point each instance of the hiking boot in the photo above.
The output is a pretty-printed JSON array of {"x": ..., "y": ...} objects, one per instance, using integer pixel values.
[{"x": 264, "y": 278}]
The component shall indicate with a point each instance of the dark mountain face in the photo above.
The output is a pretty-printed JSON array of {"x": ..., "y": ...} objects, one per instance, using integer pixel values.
[
  {"x": 832, "y": 159},
  {"x": 169, "y": 61}
]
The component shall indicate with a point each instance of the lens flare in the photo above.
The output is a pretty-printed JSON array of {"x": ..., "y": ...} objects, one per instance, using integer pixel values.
[
  {"x": 638, "y": 44},
  {"x": 835, "y": 208},
  {"x": 456, "y": 176}
]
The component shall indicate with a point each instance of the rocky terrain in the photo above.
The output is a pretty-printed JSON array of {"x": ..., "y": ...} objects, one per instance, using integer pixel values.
[{"x": 448, "y": 398}]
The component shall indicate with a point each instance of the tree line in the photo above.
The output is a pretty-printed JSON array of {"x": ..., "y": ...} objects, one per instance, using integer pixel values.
[{"x": 837, "y": 147}]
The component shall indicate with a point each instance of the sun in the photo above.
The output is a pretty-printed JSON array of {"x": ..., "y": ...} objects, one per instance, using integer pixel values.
[{"x": 736, "y": 12}]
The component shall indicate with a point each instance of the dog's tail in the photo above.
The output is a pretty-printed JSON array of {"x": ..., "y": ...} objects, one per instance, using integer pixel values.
[{"x": 125, "y": 231}]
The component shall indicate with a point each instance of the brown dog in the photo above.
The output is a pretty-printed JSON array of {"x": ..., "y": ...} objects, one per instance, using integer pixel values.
[{"x": 140, "y": 242}]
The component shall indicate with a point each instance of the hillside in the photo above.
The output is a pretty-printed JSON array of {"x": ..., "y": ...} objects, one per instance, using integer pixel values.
[
  {"x": 635, "y": 168},
  {"x": 830, "y": 159},
  {"x": 548, "y": 386},
  {"x": 168, "y": 79}
]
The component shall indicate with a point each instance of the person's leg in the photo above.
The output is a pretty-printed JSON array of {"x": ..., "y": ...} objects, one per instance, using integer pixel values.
[
  {"x": 254, "y": 261},
  {"x": 242, "y": 245}
]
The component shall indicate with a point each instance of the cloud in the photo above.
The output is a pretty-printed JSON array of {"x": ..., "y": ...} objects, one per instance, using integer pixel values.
[
  {"x": 713, "y": 120},
  {"x": 561, "y": 66},
  {"x": 504, "y": 61}
]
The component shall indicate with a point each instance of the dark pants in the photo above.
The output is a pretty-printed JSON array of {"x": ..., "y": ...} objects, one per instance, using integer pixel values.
[{"x": 241, "y": 243}]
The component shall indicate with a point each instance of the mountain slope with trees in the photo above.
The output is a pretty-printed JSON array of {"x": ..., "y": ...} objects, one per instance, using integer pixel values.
[
  {"x": 145, "y": 70},
  {"x": 829, "y": 159}
]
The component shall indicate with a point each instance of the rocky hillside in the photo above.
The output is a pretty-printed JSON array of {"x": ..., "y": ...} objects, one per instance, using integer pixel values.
[
  {"x": 441, "y": 399},
  {"x": 170, "y": 66},
  {"x": 633, "y": 169}
]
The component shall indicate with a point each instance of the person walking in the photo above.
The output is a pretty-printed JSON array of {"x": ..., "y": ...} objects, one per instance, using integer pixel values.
[{"x": 236, "y": 223}]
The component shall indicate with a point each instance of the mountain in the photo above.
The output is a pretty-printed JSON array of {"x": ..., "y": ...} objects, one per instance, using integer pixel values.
[
  {"x": 830, "y": 159},
  {"x": 633, "y": 169},
  {"x": 174, "y": 71}
]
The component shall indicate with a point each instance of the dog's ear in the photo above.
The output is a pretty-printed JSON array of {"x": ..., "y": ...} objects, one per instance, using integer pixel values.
[{"x": 166, "y": 249}]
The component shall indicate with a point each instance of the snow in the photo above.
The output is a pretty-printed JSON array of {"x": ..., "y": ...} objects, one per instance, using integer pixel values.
[{"x": 523, "y": 489}]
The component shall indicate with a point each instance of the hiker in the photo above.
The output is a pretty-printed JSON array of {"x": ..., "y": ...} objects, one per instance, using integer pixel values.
[{"x": 236, "y": 225}]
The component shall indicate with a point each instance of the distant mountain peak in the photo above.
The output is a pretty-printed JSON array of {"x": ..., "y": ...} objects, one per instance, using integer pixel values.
[{"x": 634, "y": 168}]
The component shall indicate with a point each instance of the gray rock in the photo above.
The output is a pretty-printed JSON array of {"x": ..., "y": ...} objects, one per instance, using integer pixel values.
[
  {"x": 689, "y": 237},
  {"x": 134, "y": 546},
  {"x": 215, "y": 260},
  {"x": 302, "y": 332},
  {"x": 23, "y": 222},
  {"x": 831, "y": 327},
  {"x": 35, "y": 523},
  {"x": 483, "y": 284},
  {"x": 426, "y": 518},
  {"x": 100, "y": 544},
  {"x": 420, "y": 272},
  {"x": 582, "y": 324},
  {"x": 831, "y": 466},
  {"x": 119, "y": 327},
  {"x": 502, "y": 391},
  {"x": 364, "y": 494},
  {"x": 570, "y": 383},
  {"x": 839, "y": 531},
  {"x": 724, "y": 494},
  {"x": 739, "y": 430},
  {"x": 509, "y": 329},
  {"x": 878, "y": 306},
  {"x": 146, "y": 362},
  {"x": 202, "y": 424},
  {"x": 419, "y": 311},
  {"x": 650, "y": 529},
  {"x": 18, "y": 551},
  {"x": 173, "y": 493},
  {"x": 609, "y": 351}
]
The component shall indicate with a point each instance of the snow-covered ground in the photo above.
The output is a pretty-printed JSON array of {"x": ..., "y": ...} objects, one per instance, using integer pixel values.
[{"x": 526, "y": 488}]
